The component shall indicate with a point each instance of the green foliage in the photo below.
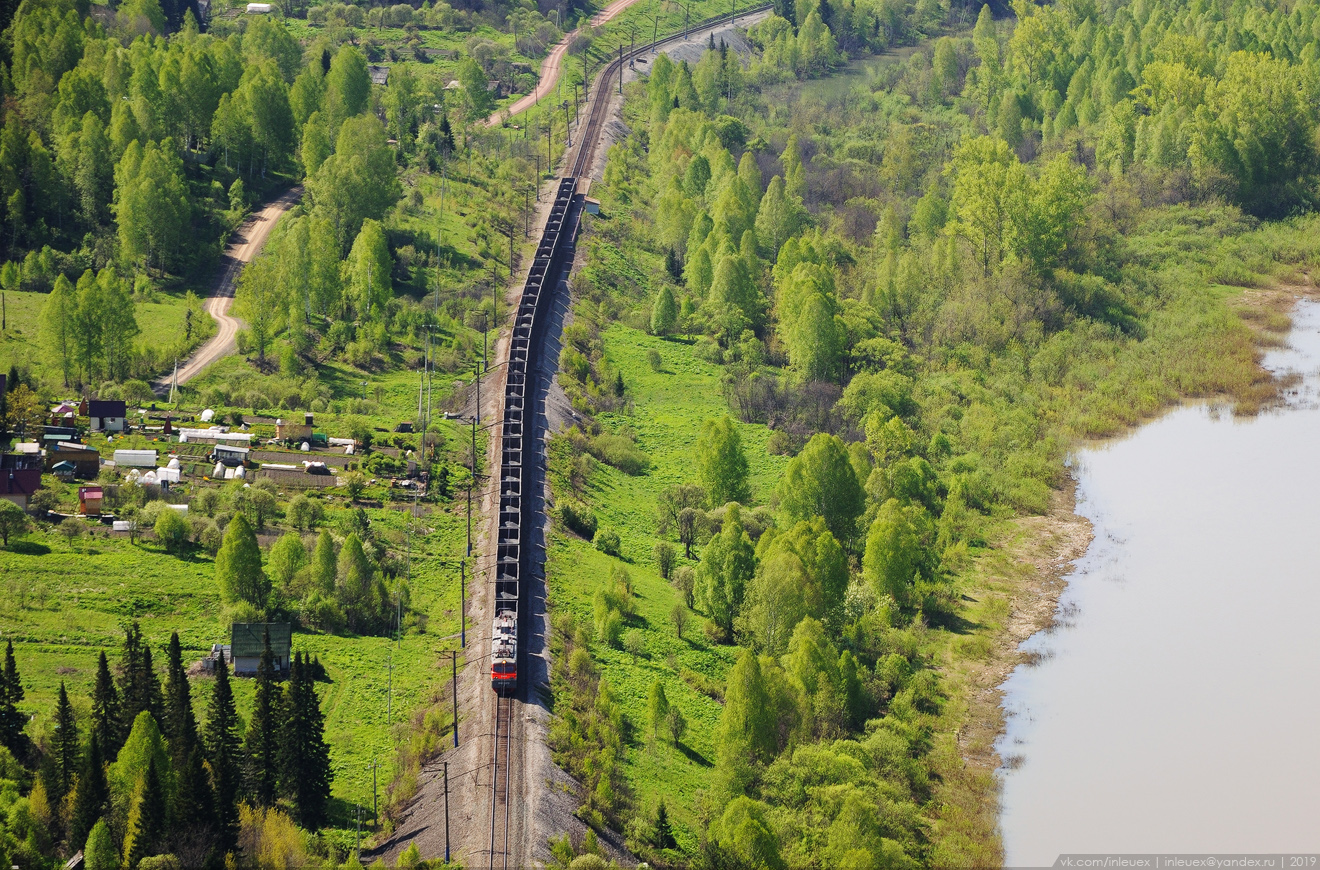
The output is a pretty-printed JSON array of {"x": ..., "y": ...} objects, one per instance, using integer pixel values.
[
  {"x": 722, "y": 466},
  {"x": 820, "y": 482},
  {"x": 99, "y": 853},
  {"x": 578, "y": 518},
  {"x": 238, "y": 568},
  {"x": 171, "y": 531},
  {"x": 13, "y": 522},
  {"x": 607, "y": 541}
]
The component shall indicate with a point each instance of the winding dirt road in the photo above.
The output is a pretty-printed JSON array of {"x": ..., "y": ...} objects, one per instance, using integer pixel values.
[
  {"x": 246, "y": 243},
  {"x": 551, "y": 66}
]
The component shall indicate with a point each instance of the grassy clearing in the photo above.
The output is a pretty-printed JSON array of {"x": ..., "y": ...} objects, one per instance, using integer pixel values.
[
  {"x": 669, "y": 407},
  {"x": 161, "y": 323},
  {"x": 63, "y": 603}
]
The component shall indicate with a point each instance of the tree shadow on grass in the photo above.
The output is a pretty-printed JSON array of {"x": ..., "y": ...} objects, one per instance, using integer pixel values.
[
  {"x": 693, "y": 755},
  {"x": 28, "y": 548}
]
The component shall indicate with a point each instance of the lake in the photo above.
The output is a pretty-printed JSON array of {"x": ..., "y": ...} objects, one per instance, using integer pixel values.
[{"x": 1175, "y": 705}]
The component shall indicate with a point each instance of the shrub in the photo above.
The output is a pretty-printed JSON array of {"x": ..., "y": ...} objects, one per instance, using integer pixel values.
[
  {"x": 211, "y": 538},
  {"x": 654, "y": 361},
  {"x": 621, "y": 452},
  {"x": 578, "y": 518},
  {"x": 634, "y": 644},
  {"x": 607, "y": 541}
]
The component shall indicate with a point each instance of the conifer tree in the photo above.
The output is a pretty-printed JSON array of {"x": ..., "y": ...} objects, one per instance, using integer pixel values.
[
  {"x": 194, "y": 803},
  {"x": 262, "y": 742},
  {"x": 146, "y": 819},
  {"x": 91, "y": 794},
  {"x": 222, "y": 754},
  {"x": 64, "y": 747},
  {"x": 106, "y": 721},
  {"x": 180, "y": 722},
  {"x": 305, "y": 773},
  {"x": 664, "y": 833},
  {"x": 139, "y": 687},
  {"x": 11, "y": 692}
]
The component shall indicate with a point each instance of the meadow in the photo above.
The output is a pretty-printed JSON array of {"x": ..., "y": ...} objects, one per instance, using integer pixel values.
[{"x": 64, "y": 601}]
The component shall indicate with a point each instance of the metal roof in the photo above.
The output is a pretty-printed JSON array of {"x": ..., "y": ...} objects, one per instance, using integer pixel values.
[{"x": 248, "y": 639}]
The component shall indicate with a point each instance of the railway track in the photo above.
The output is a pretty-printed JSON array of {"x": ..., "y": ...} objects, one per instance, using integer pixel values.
[
  {"x": 522, "y": 458},
  {"x": 501, "y": 777}
]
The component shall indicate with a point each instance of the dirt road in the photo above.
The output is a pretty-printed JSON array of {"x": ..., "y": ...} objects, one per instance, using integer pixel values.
[
  {"x": 551, "y": 66},
  {"x": 247, "y": 242}
]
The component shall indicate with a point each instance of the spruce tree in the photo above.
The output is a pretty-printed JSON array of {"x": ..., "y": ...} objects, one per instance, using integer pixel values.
[
  {"x": 180, "y": 721},
  {"x": 64, "y": 748},
  {"x": 91, "y": 795},
  {"x": 262, "y": 741},
  {"x": 664, "y": 833},
  {"x": 139, "y": 687},
  {"x": 146, "y": 819},
  {"x": 11, "y": 719},
  {"x": 305, "y": 773},
  {"x": 194, "y": 804},
  {"x": 106, "y": 721},
  {"x": 223, "y": 756}
]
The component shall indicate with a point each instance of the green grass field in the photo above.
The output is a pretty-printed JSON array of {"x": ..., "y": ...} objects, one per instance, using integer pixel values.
[
  {"x": 160, "y": 324},
  {"x": 62, "y": 604},
  {"x": 669, "y": 408}
]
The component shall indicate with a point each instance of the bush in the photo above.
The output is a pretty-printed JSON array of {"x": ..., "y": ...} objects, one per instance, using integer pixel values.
[
  {"x": 607, "y": 541},
  {"x": 323, "y": 614},
  {"x": 211, "y": 538},
  {"x": 654, "y": 361},
  {"x": 578, "y": 518},
  {"x": 621, "y": 452}
]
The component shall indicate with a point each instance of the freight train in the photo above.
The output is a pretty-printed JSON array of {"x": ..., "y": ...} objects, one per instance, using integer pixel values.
[{"x": 516, "y": 519}]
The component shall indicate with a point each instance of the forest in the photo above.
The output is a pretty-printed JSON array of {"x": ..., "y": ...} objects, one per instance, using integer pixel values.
[{"x": 917, "y": 280}]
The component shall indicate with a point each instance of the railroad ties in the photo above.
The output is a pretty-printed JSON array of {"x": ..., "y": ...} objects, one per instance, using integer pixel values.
[{"x": 517, "y": 516}]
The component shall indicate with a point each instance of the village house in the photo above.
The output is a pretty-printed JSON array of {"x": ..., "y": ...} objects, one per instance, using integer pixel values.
[
  {"x": 107, "y": 415},
  {"x": 19, "y": 485},
  {"x": 248, "y": 641}
]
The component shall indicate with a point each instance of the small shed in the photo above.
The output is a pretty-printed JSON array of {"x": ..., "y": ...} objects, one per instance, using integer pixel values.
[
  {"x": 379, "y": 75},
  {"x": 135, "y": 458},
  {"x": 107, "y": 415},
  {"x": 231, "y": 455},
  {"x": 89, "y": 500},
  {"x": 64, "y": 470},
  {"x": 248, "y": 641},
  {"x": 288, "y": 430},
  {"x": 258, "y": 8}
]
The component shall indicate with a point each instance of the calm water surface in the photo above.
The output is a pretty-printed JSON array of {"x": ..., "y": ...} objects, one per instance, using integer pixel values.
[{"x": 1176, "y": 706}]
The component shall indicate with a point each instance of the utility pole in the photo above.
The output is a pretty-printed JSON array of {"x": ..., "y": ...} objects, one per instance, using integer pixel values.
[
  {"x": 453, "y": 656},
  {"x": 568, "y": 126},
  {"x": 446, "y": 812},
  {"x": 462, "y": 602},
  {"x": 375, "y": 819},
  {"x": 620, "y": 67}
]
